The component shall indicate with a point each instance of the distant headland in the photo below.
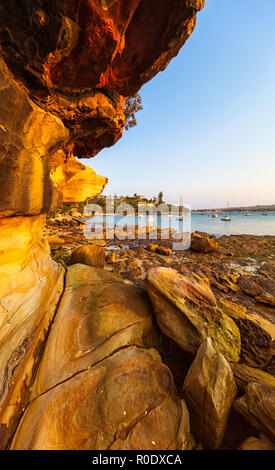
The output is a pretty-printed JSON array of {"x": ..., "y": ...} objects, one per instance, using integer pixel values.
[{"x": 257, "y": 208}]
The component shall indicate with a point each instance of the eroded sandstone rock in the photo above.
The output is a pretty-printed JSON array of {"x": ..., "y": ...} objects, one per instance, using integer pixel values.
[
  {"x": 90, "y": 254},
  {"x": 244, "y": 375},
  {"x": 28, "y": 135},
  {"x": 162, "y": 250},
  {"x": 187, "y": 312},
  {"x": 31, "y": 286},
  {"x": 76, "y": 181},
  {"x": 232, "y": 309},
  {"x": 203, "y": 243},
  {"x": 257, "y": 443},
  {"x": 101, "y": 384},
  {"x": 260, "y": 288},
  {"x": 81, "y": 59},
  {"x": 258, "y": 407},
  {"x": 258, "y": 342},
  {"x": 209, "y": 390}
]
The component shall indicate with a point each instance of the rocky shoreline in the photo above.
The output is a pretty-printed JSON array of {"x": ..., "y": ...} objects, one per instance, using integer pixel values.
[{"x": 111, "y": 345}]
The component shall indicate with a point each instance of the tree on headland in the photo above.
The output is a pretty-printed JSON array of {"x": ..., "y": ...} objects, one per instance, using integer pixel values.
[
  {"x": 133, "y": 104},
  {"x": 160, "y": 198}
]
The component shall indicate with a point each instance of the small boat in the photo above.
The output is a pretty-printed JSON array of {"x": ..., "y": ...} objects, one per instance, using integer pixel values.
[
  {"x": 247, "y": 214},
  {"x": 264, "y": 213},
  {"x": 169, "y": 215},
  {"x": 227, "y": 218},
  {"x": 214, "y": 216}
]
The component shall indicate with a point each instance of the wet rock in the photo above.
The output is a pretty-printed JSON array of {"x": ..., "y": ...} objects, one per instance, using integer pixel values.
[
  {"x": 187, "y": 312},
  {"x": 258, "y": 407},
  {"x": 91, "y": 255},
  {"x": 209, "y": 391}
]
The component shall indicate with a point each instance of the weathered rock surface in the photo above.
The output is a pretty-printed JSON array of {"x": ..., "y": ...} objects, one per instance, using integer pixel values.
[
  {"x": 257, "y": 443},
  {"x": 232, "y": 309},
  {"x": 31, "y": 286},
  {"x": 91, "y": 255},
  {"x": 76, "y": 181},
  {"x": 258, "y": 342},
  {"x": 28, "y": 135},
  {"x": 258, "y": 407},
  {"x": 187, "y": 312},
  {"x": 81, "y": 59},
  {"x": 244, "y": 375},
  {"x": 101, "y": 384},
  {"x": 209, "y": 391},
  {"x": 162, "y": 250},
  {"x": 263, "y": 290},
  {"x": 203, "y": 243}
]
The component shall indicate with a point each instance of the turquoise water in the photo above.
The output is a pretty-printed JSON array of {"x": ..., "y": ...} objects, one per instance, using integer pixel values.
[{"x": 256, "y": 224}]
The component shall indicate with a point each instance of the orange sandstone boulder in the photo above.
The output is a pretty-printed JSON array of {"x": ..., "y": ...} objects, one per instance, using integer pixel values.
[
  {"x": 209, "y": 390},
  {"x": 92, "y": 255},
  {"x": 258, "y": 407},
  {"x": 187, "y": 312},
  {"x": 203, "y": 243}
]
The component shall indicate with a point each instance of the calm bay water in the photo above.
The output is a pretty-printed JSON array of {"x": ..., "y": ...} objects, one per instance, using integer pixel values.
[{"x": 256, "y": 224}]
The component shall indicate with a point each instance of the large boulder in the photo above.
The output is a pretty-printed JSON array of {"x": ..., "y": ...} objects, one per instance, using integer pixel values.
[
  {"x": 209, "y": 391},
  {"x": 187, "y": 312},
  {"x": 101, "y": 383}
]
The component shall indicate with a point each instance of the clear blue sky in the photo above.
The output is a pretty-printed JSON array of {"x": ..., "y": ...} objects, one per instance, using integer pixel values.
[{"x": 207, "y": 130}]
